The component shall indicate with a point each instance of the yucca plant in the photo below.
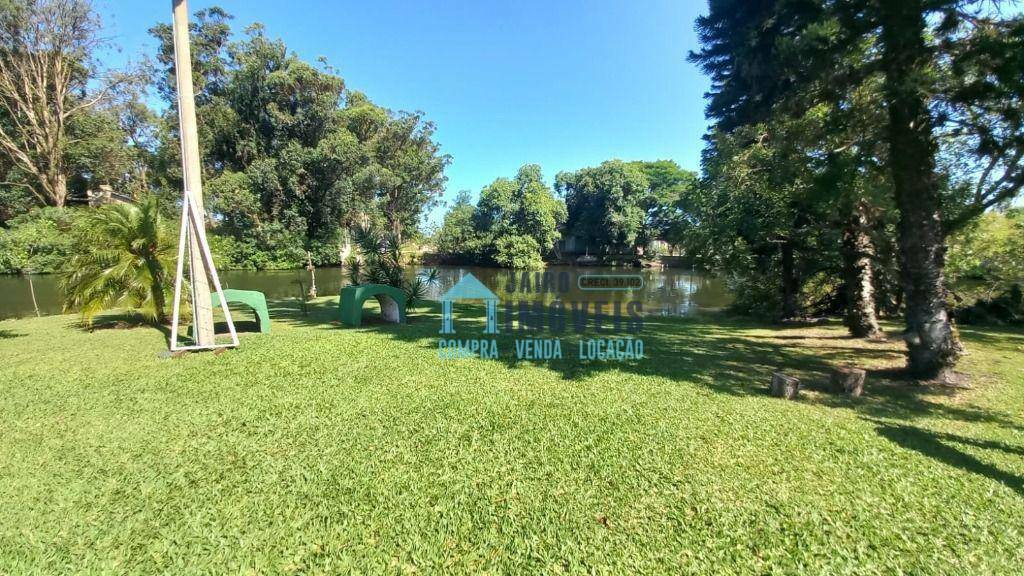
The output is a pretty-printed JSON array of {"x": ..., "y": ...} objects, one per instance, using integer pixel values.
[
  {"x": 126, "y": 251},
  {"x": 378, "y": 260},
  {"x": 416, "y": 292}
]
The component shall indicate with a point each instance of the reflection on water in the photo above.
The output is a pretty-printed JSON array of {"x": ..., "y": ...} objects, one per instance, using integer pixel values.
[{"x": 670, "y": 292}]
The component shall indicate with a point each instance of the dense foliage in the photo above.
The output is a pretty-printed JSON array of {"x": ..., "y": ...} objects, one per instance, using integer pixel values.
[
  {"x": 515, "y": 224},
  {"x": 988, "y": 255},
  {"x": 986, "y": 265},
  {"x": 606, "y": 205},
  {"x": 620, "y": 207},
  {"x": 292, "y": 159},
  {"x": 39, "y": 241},
  {"x": 615, "y": 208},
  {"x": 128, "y": 263},
  {"x": 802, "y": 156}
]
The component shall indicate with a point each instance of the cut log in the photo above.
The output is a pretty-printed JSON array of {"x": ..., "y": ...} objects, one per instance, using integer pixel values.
[
  {"x": 849, "y": 380},
  {"x": 784, "y": 386}
]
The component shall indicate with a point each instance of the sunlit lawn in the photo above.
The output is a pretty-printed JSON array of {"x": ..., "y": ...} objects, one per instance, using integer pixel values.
[{"x": 319, "y": 449}]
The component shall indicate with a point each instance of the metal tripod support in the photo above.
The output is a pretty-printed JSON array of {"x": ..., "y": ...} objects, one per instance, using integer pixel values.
[{"x": 192, "y": 224}]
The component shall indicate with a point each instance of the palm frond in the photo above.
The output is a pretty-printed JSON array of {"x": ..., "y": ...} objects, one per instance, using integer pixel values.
[{"x": 124, "y": 252}]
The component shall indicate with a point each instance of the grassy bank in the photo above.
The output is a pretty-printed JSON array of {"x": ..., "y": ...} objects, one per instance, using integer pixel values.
[{"x": 319, "y": 449}]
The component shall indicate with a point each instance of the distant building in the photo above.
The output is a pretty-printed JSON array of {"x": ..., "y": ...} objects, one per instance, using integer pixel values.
[{"x": 104, "y": 195}]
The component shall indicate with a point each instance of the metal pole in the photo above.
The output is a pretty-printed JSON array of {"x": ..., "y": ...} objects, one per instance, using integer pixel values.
[{"x": 202, "y": 311}]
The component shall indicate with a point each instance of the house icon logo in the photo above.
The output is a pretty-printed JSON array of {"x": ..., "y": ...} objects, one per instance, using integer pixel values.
[{"x": 469, "y": 288}]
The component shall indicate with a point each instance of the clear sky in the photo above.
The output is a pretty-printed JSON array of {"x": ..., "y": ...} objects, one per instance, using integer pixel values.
[{"x": 563, "y": 84}]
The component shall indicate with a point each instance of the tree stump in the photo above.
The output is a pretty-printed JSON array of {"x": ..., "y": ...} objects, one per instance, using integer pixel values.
[
  {"x": 783, "y": 386},
  {"x": 848, "y": 380}
]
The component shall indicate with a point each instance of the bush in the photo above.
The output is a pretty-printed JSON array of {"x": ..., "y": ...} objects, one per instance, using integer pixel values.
[
  {"x": 39, "y": 241},
  {"x": 513, "y": 251},
  {"x": 271, "y": 248},
  {"x": 125, "y": 255},
  {"x": 756, "y": 295},
  {"x": 990, "y": 251},
  {"x": 1007, "y": 308}
]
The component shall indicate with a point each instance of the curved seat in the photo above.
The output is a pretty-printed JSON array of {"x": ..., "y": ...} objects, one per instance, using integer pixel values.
[
  {"x": 251, "y": 298},
  {"x": 392, "y": 303}
]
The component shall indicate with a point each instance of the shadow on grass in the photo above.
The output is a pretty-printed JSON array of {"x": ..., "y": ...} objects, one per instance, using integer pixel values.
[
  {"x": 719, "y": 352},
  {"x": 241, "y": 326},
  {"x": 802, "y": 336},
  {"x": 938, "y": 446},
  {"x": 715, "y": 351},
  {"x": 120, "y": 321},
  {"x": 133, "y": 321},
  {"x": 1001, "y": 338},
  {"x": 9, "y": 334},
  {"x": 731, "y": 356}
]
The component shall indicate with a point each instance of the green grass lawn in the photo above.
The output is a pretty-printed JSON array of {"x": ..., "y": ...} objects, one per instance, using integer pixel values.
[{"x": 320, "y": 449}]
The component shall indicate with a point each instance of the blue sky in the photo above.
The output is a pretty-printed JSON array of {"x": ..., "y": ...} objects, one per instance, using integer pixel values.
[{"x": 563, "y": 84}]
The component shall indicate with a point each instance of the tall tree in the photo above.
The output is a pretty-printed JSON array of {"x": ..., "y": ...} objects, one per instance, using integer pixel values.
[
  {"x": 952, "y": 69},
  {"x": 292, "y": 158},
  {"x": 515, "y": 224},
  {"x": 856, "y": 191},
  {"x": 521, "y": 216},
  {"x": 763, "y": 57},
  {"x": 607, "y": 205},
  {"x": 907, "y": 63},
  {"x": 406, "y": 172},
  {"x": 666, "y": 207},
  {"x": 757, "y": 217},
  {"x": 524, "y": 206},
  {"x": 210, "y": 31},
  {"x": 48, "y": 79},
  {"x": 457, "y": 239}
]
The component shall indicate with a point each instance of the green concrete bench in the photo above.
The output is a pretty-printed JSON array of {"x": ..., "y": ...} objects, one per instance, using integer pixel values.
[
  {"x": 251, "y": 298},
  {"x": 392, "y": 303}
]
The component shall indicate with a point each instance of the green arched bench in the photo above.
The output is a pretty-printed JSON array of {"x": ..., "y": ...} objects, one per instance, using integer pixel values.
[
  {"x": 251, "y": 298},
  {"x": 392, "y": 303}
]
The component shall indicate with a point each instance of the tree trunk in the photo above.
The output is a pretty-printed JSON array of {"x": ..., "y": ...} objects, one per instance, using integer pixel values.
[
  {"x": 790, "y": 283},
  {"x": 55, "y": 187},
  {"x": 858, "y": 251},
  {"x": 932, "y": 346},
  {"x": 159, "y": 277}
]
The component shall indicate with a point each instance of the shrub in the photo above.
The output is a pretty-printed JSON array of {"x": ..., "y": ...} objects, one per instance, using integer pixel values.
[
  {"x": 378, "y": 260},
  {"x": 124, "y": 254},
  {"x": 514, "y": 251},
  {"x": 1007, "y": 308},
  {"x": 39, "y": 241}
]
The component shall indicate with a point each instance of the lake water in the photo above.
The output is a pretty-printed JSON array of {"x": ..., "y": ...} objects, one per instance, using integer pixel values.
[{"x": 672, "y": 292}]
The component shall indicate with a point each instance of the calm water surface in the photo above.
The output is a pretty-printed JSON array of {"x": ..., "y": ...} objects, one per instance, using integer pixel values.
[{"x": 672, "y": 292}]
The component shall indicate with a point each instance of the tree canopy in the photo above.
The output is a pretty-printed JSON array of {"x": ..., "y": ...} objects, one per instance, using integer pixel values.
[
  {"x": 515, "y": 223},
  {"x": 948, "y": 74},
  {"x": 293, "y": 159}
]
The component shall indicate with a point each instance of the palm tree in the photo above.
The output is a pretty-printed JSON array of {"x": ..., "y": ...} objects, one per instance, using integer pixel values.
[{"x": 125, "y": 254}]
